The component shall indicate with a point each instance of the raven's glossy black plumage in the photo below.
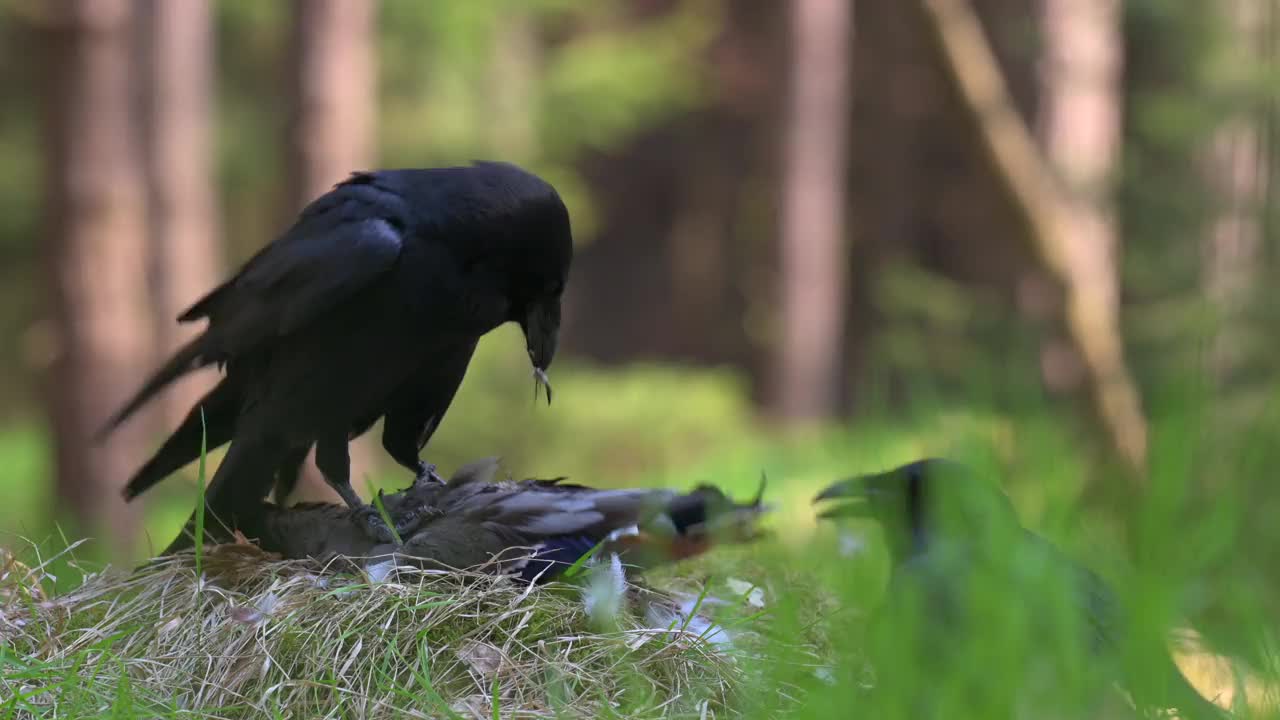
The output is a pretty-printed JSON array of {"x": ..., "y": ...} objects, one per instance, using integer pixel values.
[
  {"x": 369, "y": 306},
  {"x": 951, "y": 534}
]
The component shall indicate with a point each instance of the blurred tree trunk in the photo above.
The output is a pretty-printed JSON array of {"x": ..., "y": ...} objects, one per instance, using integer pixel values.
[
  {"x": 183, "y": 216},
  {"x": 334, "y": 93},
  {"x": 95, "y": 250},
  {"x": 703, "y": 183},
  {"x": 1237, "y": 174},
  {"x": 809, "y": 377},
  {"x": 696, "y": 257},
  {"x": 1068, "y": 248},
  {"x": 1079, "y": 114},
  {"x": 513, "y": 82}
]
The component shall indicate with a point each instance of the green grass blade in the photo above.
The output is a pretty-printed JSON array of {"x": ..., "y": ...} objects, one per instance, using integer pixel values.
[
  {"x": 200, "y": 492},
  {"x": 581, "y": 562},
  {"x": 376, "y": 498},
  {"x": 423, "y": 675},
  {"x": 496, "y": 703},
  {"x": 697, "y": 605}
]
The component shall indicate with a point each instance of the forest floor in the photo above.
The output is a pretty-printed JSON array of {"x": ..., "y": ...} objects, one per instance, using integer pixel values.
[
  {"x": 766, "y": 630},
  {"x": 744, "y": 632}
]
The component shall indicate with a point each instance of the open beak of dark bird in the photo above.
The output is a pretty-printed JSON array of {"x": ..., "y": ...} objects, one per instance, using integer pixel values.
[
  {"x": 853, "y": 497},
  {"x": 541, "y": 326}
]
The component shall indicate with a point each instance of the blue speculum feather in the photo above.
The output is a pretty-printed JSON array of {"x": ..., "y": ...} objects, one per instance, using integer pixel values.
[{"x": 555, "y": 556}]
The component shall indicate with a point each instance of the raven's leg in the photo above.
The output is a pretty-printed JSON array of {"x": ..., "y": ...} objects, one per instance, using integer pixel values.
[
  {"x": 334, "y": 460},
  {"x": 333, "y": 457},
  {"x": 236, "y": 489},
  {"x": 403, "y": 436},
  {"x": 412, "y": 421},
  {"x": 287, "y": 474}
]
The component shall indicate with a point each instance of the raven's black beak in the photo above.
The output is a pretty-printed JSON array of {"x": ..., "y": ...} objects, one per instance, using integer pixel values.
[
  {"x": 856, "y": 495},
  {"x": 541, "y": 326}
]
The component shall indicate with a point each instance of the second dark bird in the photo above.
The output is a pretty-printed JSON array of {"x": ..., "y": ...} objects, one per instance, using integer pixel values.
[
  {"x": 369, "y": 306},
  {"x": 967, "y": 574}
]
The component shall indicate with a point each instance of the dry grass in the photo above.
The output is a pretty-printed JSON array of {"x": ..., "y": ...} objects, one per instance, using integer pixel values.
[
  {"x": 252, "y": 637},
  {"x": 256, "y": 637}
]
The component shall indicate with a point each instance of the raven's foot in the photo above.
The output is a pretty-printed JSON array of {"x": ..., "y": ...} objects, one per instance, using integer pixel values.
[
  {"x": 410, "y": 520},
  {"x": 369, "y": 520},
  {"x": 375, "y": 528}
]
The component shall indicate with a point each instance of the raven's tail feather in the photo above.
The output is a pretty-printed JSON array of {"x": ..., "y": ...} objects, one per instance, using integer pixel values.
[
  {"x": 220, "y": 407},
  {"x": 233, "y": 498},
  {"x": 186, "y": 359}
]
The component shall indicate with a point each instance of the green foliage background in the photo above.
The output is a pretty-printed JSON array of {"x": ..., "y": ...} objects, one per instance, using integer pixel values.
[{"x": 1200, "y": 542}]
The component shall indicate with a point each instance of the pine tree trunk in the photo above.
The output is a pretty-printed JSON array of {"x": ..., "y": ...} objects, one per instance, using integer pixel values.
[
  {"x": 1063, "y": 231},
  {"x": 1080, "y": 105},
  {"x": 334, "y": 93},
  {"x": 183, "y": 214},
  {"x": 809, "y": 378},
  {"x": 95, "y": 250},
  {"x": 513, "y": 82},
  {"x": 1237, "y": 175}
]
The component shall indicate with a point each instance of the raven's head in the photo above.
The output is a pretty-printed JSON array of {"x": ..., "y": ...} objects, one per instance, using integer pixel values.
[
  {"x": 540, "y": 282},
  {"x": 532, "y": 245},
  {"x": 906, "y": 500}
]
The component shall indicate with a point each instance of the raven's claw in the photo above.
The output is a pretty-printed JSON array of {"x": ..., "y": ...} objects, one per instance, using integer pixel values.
[
  {"x": 371, "y": 522},
  {"x": 408, "y": 524}
]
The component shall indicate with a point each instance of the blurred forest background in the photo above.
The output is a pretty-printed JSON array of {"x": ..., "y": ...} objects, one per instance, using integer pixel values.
[{"x": 815, "y": 236}]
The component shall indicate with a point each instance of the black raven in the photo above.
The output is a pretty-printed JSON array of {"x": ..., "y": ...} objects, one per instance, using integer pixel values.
[
  {"x": 369, "y": 306},
  {"x": 965, "y": 570}
]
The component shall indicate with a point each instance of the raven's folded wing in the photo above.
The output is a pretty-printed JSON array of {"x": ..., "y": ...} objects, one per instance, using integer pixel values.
[
  {"x": 284, "y": 287},
  {"x": 296, "y": 280}
]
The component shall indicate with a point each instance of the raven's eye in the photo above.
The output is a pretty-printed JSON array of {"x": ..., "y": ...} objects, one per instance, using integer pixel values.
[{"x": 557, "y": 287}]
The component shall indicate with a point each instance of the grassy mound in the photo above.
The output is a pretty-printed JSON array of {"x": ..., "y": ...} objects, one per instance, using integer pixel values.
[
  {"x": 251, "y": 637},
  {"x": 248, "y": 636}
]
